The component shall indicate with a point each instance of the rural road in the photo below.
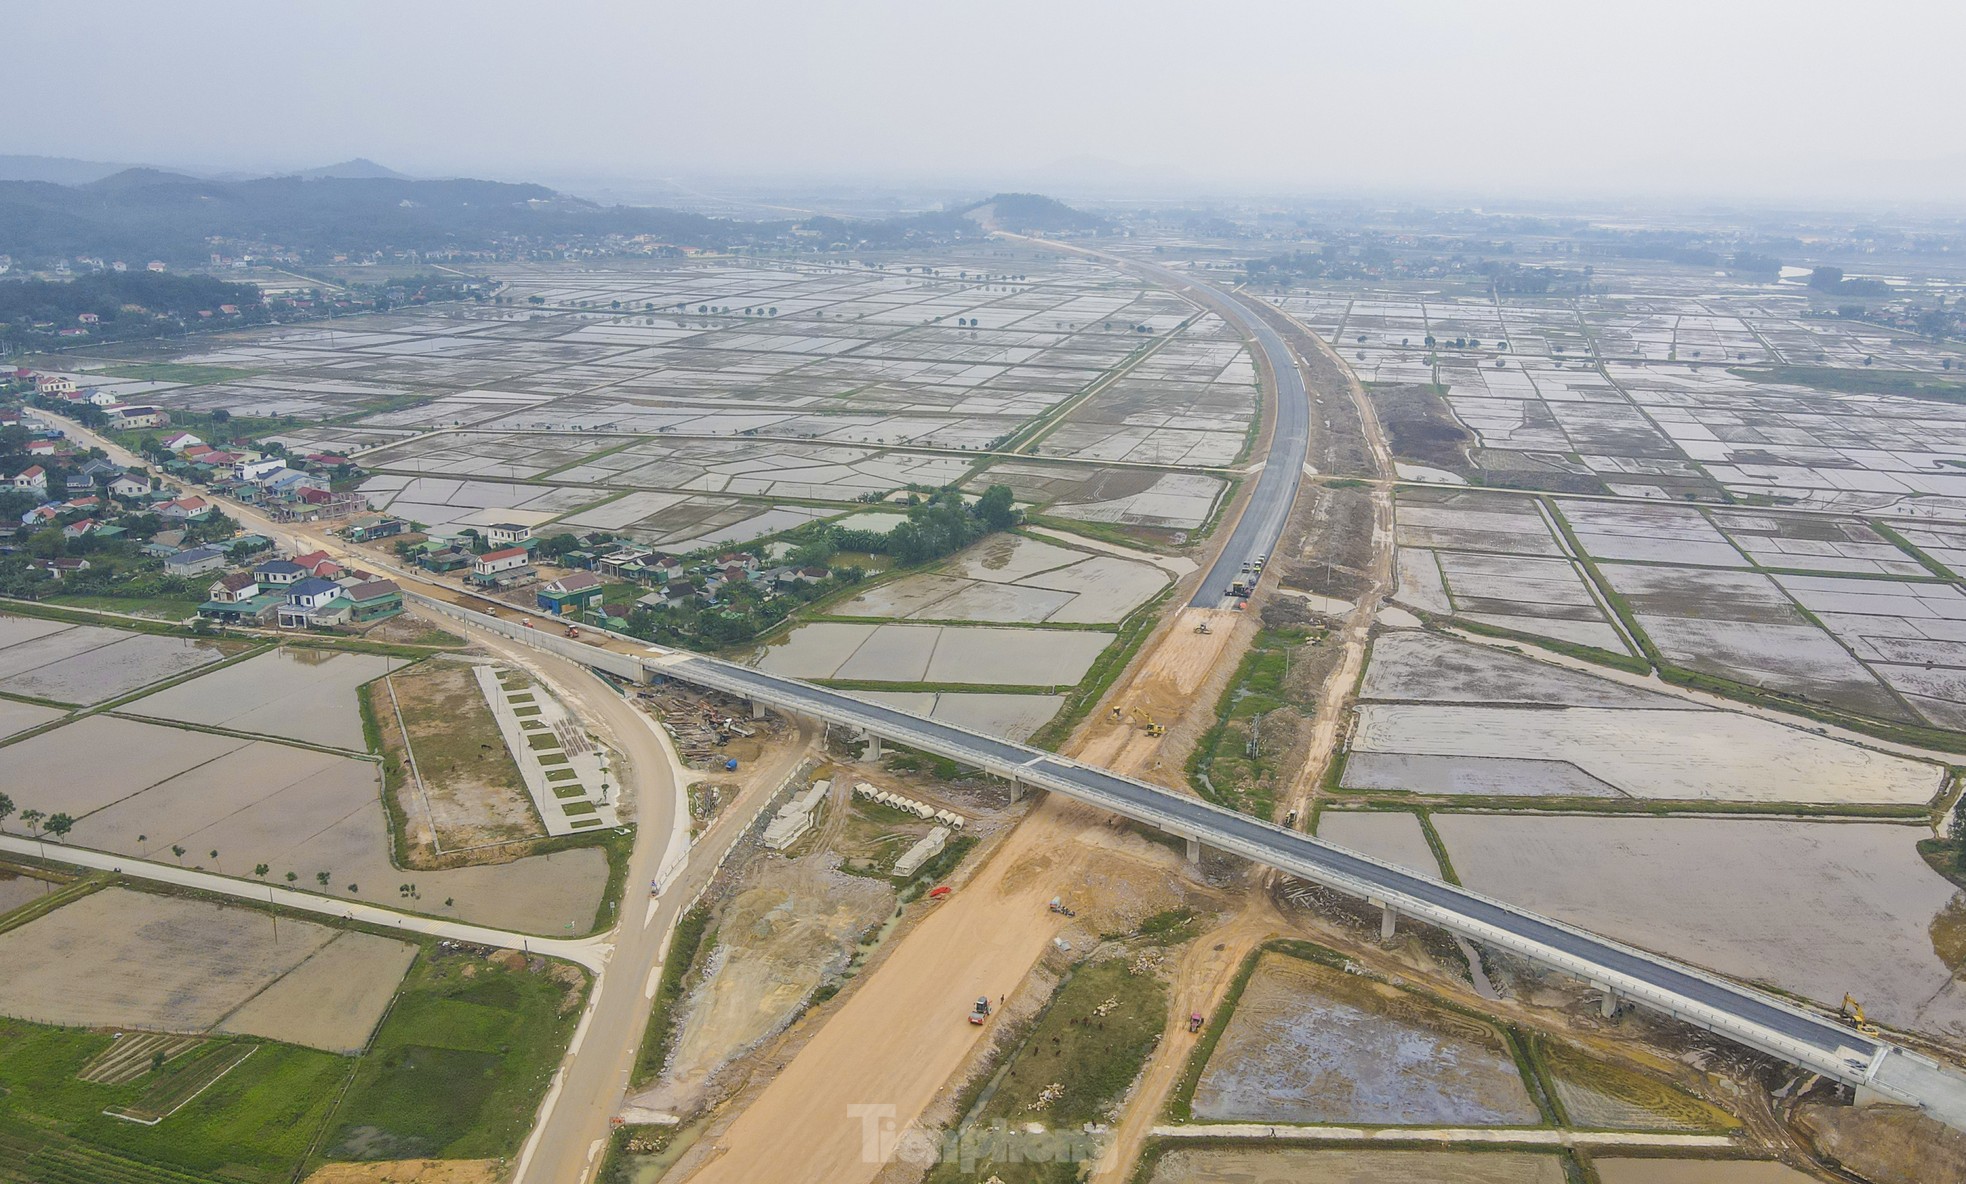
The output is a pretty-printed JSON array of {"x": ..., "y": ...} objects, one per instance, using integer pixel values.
[{"x": 591, "y": 952}]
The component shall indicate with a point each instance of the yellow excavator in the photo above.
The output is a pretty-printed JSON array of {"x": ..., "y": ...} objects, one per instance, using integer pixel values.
[
  {"x": 1147, "y": 722},
  {"x": 1854, "y": 1012}
]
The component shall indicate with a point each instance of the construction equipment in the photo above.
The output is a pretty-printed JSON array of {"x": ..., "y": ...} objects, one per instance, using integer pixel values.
[
  {"x": 1854, "y": 1012},
  {"x": 1118, "y": 715},
  {"x": 655, "y": 887},
  {"x": 939, "y": 892},
  {"x": 1194, "y": 1021},
  {"x": 1202, "y": 627},
  {"x": 1058, "y": 906},
  {"x": 1147, "y": 723},
  {"x": 573, "y": 631},
  {"x": 981, "y": 1011}
]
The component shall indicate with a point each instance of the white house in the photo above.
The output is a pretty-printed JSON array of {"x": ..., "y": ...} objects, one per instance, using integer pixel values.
[
  {"x": 33, "y": 479},
  {"x": 103, "y": 398},
  {"x": 54, "y": 384},
  {"x": 259, "y": 466},
  {"x": 130, "y": 485},
  {"x": 507, "y": 534},
  {"x": 492, "y": 563},
  {"x": 179, "y": 441},
  {"x": 138, "y": 417}
]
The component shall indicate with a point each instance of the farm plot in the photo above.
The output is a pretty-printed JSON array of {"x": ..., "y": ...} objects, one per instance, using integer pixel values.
[
  {"x": 1502, "y": 523},
  {"x": 1654, "y": 755},
  {"x": 1122, "y": 496},
  {"x": 293, "y": 692},
  {"x": 447, "y": 504},
  {"x": 1658, "y": 534},
  {"x": 1815, "y": 543},
  {"x": 1815, "y": 908},
  {"x": 118, "y": 958},
  {"x": 1013, "y": 717},
  {"x": 1394, "y": 836},
  {"x": 19, "y": 717},
  {"x": 1442, "y": 716},
  {"x": 1695, "y": 1171},
  {"x": 1911, "y": 635},
  {"x": 1296, "y": 1165},
  {"x": 142, "y": 789},
  {"x": 333, "y": 1000},
  {"x": 1539, "y": 595},
  {"x": 89, "y": 664},
  {"x": 1311, "y": 1045},
  {"x": 1017, "y": 579},
  {"x": 935, "y": 654},
  {"x": 1741, "y": 626},
  {"x": 1944, "y": 542}
]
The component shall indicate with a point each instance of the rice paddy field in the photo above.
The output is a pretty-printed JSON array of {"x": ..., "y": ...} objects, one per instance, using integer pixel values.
[{"x": 264, "y": 762}]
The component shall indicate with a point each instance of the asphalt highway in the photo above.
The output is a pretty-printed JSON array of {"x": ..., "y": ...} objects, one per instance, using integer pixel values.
[
  {"x": 1261, "y": 525},
  {"x": 1660, "y": 982}
]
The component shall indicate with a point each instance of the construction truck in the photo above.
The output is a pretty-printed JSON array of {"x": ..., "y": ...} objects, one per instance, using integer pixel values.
[{"x": 981, "y": 1011}]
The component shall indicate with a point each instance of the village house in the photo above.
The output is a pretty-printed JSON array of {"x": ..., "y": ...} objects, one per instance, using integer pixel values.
[
  {"x": 507, "y": 534},
  {"x": 137, "y": 417},
  {"x": 179, "y": 441},
  {"x": 310, "y": 603},
  {"x": 195, "y": 562},
  {"x": 570, "y": 593},
  {"x": 130, "y": 485},
  {"x": 32, "y": 479},
  {"x": 279, "y": 573},
  {"x": 373, "y": 600},
  {"x": 186, "y": 509},
  {"x": 54, "y": 384},
  {"x": 502, "y": 568},
  {"x": 233, "y": 588}
]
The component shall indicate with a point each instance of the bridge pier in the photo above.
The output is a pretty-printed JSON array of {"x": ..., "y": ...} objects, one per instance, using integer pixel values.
[
  {"x": 1194, "y": 848},
  {"x": 757, "y": 709},
  {"x": 873, "y": 752},
  {"x": 1608, "y": 1006},
  {"x": 1388, "y": 921}
]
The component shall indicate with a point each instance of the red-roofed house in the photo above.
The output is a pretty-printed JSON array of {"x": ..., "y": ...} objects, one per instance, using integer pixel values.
[{"x": 32, "y": 479}]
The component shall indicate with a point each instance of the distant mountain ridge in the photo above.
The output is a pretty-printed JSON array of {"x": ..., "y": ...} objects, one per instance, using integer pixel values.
[{"x": 359, "y": 169}]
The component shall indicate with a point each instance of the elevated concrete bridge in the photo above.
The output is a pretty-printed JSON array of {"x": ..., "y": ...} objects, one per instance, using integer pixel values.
[{"x": 1876, "y": 1068}]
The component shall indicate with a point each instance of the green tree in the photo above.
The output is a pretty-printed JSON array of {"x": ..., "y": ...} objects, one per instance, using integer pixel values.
[
  {"x": 260, "y": 870},
  {"x": 995, "y": 508},
  {"x": 178, "y": 851},
  {"x": 59, "y": 825},
  {"x": 6, "y": 811},
  {"x": 31, "y": 819}
]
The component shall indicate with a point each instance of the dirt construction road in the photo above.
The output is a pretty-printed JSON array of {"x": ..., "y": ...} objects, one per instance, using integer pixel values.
[{"x": 833, "y": 1115}]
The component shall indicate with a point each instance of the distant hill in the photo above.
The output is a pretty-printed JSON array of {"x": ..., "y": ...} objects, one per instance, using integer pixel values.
[
  {"x": 359, "y": 169},
  {"x": 55, "y": 170},
  {"x": 145, "y": 213},
  {"x": 1031, "y": 213}
]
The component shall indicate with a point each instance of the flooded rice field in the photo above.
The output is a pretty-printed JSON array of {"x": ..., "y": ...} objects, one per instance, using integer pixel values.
[
  {"x": 1814, "y": 908},
  {"x": 1294, "y": 1165},
  {"x": 293, "y": 693},
  {"x": 1311, "y": 1045},
  {"x": 1394, "y": 836},
  {"x": 87, "y": 664}
]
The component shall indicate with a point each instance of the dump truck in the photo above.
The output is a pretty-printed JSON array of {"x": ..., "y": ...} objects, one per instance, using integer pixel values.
[{"x": 981, "y": 1011}]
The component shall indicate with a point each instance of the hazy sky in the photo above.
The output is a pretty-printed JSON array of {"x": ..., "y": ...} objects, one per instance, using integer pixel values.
[{"x": 1717, "y": 98}]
